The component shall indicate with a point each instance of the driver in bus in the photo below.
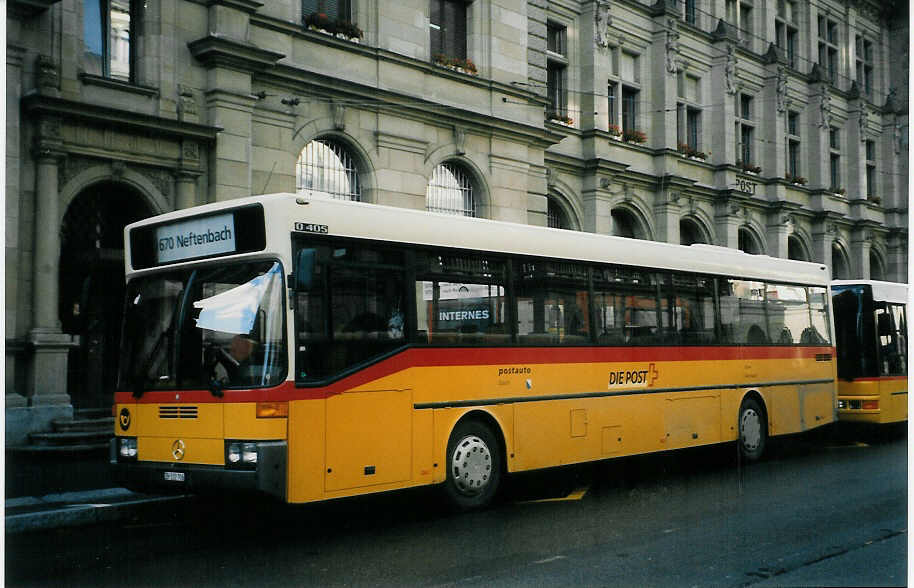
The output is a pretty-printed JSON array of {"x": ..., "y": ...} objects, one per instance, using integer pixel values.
[{"x": 231, "y": 367}]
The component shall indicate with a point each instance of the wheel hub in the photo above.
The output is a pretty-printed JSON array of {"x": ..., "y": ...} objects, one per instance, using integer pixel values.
[
  {"x": 471, "y": 465},
  {"x": 751, "y": 429}
]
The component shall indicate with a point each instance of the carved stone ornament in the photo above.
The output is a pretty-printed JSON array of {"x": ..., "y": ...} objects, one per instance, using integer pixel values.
[
  {"x": 896, "y": 138},
  {"x": 190, "y": 151},
  {"x": 862, "y": 121},
  {"x": 117, "y": 169},
  {"x": 825, "y": 110},
  {"x": 781, "y": 90},
  {"x": 730, "y": 69},
  {"x": 338, "y": 112},
  {"x": 605, "y": 183},
  {"x": 460, "y": 139},
  {"x": 602, "y": 20},
  {"x": 187, "y": 102},
  {"x": 672, "y": 47},
  {"x": 47, "y": 73},
  {"x": 49, "y": 129}
]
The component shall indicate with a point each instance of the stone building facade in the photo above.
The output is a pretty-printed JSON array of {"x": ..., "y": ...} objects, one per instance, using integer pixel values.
[{"x": 774, "y": 126}]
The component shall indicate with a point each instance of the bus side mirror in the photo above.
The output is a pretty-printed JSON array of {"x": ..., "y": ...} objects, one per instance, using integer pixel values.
[{"x": 304, "y": 269}]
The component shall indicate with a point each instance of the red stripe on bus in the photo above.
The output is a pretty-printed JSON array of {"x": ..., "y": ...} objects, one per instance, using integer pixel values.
[{"x": 463, "y": 356}]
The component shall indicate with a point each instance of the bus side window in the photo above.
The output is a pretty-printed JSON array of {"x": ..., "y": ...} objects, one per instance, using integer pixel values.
[
  {"x": 891, "y": 341},
  {"x": 460, "y": 300},
  {"x": 743, "y": 313}
]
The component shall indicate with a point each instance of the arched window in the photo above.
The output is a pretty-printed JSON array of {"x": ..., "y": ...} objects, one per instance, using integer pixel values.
[
  {"x": 877, "y": 269},
  {"x": 690, "y": 232},
  {"x": 748, "y": 243},
  {"x": 556, "y": 217},
  {"x": 796, "y": 249},
  {"x": 326, "y": 165},
  {"x": 840, "y": 269},
  {"x": 450, "y": 191},
  {"x": 625, "y": 224}
]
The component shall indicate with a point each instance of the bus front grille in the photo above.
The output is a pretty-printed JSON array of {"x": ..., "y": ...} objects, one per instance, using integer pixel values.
[{"x": 177, "y": 412}]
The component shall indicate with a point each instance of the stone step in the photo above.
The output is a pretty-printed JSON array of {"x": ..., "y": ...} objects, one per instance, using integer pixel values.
[
  {"x": 105, "y": 424},
  {"x": 74, "y": 438},
  {"x": 93, "y": 413}
]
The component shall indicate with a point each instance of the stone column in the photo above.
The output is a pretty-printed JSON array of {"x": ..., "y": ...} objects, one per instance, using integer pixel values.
[
  {"x": 597, "y": 207},
  {"x": 47, "y": 377},
  {"x": 777, "y": 230},
  {"x": 727, "y": 222},
  {"x": 824, "y": 233},
  {"x": 861, "y": 244}
]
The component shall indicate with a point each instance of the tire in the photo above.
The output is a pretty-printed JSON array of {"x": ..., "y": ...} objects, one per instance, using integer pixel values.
[
  {"x": 753, "y": 430},
  {"x": 475, "y": 466}
]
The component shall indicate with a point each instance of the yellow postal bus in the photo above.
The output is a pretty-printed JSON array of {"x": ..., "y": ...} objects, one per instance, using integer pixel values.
[
  {"x": 311, "y": 349},
  {"x": 871, "y": 332}
]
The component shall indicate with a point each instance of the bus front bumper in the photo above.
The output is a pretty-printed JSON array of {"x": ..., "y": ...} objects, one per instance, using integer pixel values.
[{"x": 269, "y": 476}]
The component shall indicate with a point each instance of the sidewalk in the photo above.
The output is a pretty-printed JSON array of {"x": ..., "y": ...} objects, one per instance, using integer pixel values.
[
  {"x": 64, "y": 489},
  {"x": 70, "y": 509}
]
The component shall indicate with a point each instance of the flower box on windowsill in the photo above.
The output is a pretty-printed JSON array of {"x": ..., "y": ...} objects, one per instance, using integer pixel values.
[
  {"x": 633, "y": 136},
  {"x": 458, "y": 64},
  {"x": 341, "y": 29},
  {"x": 875, "y": 200},
  {"x": 748, "y": 168},
  {"x": 337, "y": 35}
]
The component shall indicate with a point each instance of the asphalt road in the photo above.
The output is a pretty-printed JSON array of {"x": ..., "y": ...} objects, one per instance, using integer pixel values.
[{"x": 825, "y": 509}]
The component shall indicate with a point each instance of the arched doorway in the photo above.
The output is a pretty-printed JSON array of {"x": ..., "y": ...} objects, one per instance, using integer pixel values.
[
  {"x": 840, "y": 266},
  {"x": 690, "y": 232},
  {"x": 796, "y": 249},
  {"x": 92, "y": 287},
  {"x": 626, "y": 224},
  {"x": 748, "y": 242},
  {"x": 877, "y": 269}
]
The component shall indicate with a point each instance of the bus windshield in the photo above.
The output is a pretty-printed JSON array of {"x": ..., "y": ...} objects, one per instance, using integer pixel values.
[{"x": 205, "y": 328}]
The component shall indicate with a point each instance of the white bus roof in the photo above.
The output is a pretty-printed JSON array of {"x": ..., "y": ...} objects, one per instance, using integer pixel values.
[
  {"x": 882, "y": 291},
  {"x": 386, "y": 223}
]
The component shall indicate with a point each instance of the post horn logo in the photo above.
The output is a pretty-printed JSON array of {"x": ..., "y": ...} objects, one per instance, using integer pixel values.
[
  {"x": 124, "y": 419},
  {"x": 177, "y": 450}
]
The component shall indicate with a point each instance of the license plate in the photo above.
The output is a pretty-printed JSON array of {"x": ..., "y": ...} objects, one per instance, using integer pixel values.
[{"x": 174, "y": 476}]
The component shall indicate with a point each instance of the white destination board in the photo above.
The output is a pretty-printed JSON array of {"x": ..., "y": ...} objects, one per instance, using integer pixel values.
[{"x": 199, "y": 237}]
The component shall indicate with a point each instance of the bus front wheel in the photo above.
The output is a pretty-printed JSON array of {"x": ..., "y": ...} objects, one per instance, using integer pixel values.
[
  {"x": 753, "y": 429},
  {"x": 474, "y": 462}
]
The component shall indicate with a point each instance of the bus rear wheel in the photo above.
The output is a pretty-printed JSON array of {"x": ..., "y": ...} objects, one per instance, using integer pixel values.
[
  {"x": 474, "y": 465},
  {"x": 753, "y": 429}
]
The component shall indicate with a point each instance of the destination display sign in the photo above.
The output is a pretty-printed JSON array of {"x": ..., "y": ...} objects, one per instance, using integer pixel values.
[
  {"x": 198, "y": 237},
  {"x": 203, "y": 236}
]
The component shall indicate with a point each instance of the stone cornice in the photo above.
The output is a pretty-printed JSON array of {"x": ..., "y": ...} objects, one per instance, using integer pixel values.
[
  {"x": 106, "y": 116},
  {"x": 248, "y": 6},
  {"x": 417, "y": 108},
  {"x": 215, "y": 51}
]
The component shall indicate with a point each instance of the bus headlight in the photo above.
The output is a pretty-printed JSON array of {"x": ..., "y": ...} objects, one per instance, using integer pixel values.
[
  {"x": 127, "y": 448},
  {"x": 241, "y": 454}
]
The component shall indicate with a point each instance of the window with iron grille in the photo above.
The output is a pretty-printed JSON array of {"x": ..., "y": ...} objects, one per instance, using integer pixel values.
[
  {"x": 450, "y": 191},
  {"x": 555, "y": 215},
  {"x": 448, "y": 28},
  {"x": 326, "y": 165}
]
